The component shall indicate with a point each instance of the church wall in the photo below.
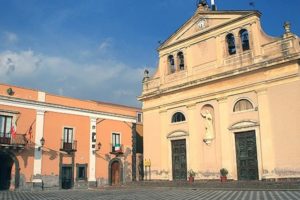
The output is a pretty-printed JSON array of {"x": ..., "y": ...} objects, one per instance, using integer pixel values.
[
  {"x": 152, "y": 148},
  {"x": 285, "y": 114},
  {"x": 202, "y": 53}
]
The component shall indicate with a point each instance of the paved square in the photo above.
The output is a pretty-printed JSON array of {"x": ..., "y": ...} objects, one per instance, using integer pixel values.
[{"x": 151, "y": 193}]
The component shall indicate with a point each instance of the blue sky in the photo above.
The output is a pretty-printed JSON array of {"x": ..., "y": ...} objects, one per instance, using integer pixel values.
[{"x": 98, "y": 49}]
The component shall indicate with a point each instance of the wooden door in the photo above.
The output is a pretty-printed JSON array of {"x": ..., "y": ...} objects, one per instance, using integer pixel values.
[
  {"x": 179, "y": 160},
  {"x": 246, "y": 155},
  {"x": 66, "y": 178},
  {"x": 5, "y": 171},
  {"x": 115, "y": 173}
]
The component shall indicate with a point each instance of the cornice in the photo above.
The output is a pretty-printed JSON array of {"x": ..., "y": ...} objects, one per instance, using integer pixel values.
[
  {"x": 221, "y": 96},
  {"x": 44, "y": 107}
]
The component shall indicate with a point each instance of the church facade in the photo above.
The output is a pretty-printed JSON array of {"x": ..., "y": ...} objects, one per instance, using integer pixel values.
[{"x": 224, "y": 95}]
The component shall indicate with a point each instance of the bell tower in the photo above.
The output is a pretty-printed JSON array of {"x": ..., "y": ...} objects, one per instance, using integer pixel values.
[{"x": 203, "y": 5}]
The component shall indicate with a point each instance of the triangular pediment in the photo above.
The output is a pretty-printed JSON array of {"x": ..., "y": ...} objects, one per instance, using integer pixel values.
[{"x": 203, "y": 22}]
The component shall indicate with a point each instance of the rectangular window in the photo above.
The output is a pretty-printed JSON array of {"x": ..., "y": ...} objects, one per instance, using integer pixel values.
[
  {"x": 5, "y": 126},
  {"x": 81, "y": 171},
  {"x": 68, "y": 135},
  {"x": 116, "y": 139},
  {"x": 116, "y": 142},
  {"x": 139, "y": 117}
]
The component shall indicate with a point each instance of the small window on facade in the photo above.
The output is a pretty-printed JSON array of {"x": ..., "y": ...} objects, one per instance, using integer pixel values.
[
  {"x": 116, "y": 142},
  {"x": 231, "y": 44},
  {"x": 180, "y": 60},
  {"x": 178, "y": 117},
  {"x": 242, "y": 104},
  {"x": 171, "y": 64},
  {"x": 68, "y": 135},
  {"x": 5, "y": 126},
  {"x": 81, "y": 171},
  {"x": 244, "y": 39},
  {"x": 139, "y": 118}
]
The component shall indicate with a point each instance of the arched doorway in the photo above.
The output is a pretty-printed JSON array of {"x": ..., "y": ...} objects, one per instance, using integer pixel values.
[
  {"x": 7, "y": 161},
  {"x": 115, "y": 172}
]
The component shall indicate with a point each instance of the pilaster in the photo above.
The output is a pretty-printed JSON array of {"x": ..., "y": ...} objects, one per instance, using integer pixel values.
[
  {"x": 92, "y": 164},
  {"x": 39, "y": 133},
  {"x": 226, "y": 136},
  {"x": 192, "y": 141},
  {"x": 265, "y": 133}
]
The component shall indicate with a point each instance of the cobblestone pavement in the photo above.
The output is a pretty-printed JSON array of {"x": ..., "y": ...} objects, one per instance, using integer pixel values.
[{"x": 151, "y": 194}]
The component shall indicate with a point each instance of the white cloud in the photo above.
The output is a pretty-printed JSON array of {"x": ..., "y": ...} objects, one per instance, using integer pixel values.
[
  {"x": 105, "y": 45},
  {"x": 103, "y": 80}
]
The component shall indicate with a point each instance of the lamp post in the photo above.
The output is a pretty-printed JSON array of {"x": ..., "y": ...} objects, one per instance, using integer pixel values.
[{"x": 98, "y": 147}]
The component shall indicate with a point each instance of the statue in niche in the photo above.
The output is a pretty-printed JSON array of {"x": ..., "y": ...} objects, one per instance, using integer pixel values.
[{"x": 209, "y": 128}]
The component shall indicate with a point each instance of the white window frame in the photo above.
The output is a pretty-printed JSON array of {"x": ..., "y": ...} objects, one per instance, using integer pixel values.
[
  {"x": 63, "y": 133},
  {"x": 120, "y": 138}
]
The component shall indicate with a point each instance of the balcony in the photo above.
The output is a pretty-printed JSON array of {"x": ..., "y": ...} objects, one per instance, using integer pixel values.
[
  {"x": 15, "y": 143},
  {"x": 68, "y": 147},
  {"x": 117, "y": 149}
]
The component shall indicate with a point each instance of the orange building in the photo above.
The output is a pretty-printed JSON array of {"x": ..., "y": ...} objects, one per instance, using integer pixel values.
[{"x": 49, "y": 141}]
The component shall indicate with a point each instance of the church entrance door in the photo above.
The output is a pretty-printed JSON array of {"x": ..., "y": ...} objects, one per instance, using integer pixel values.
[
  {"x": 246, "y": 155},
  {"x": 179, "y": 160}
]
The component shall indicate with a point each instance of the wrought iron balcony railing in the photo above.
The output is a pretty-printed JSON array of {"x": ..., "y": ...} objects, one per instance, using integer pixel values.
[
  {"x": 18, "y": 141},
  {"x": 68, "y": 146},
  {"x": 116, "y": 149}
]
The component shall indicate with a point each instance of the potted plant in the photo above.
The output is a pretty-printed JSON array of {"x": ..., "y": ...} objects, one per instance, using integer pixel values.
[
  {"x": 192, "y": 174},
  {"x": 223, "y": 173}
]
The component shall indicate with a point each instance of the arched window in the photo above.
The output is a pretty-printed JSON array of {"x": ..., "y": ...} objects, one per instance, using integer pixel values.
[
  {"x": 244, "y": 39},
  {"x": 180, "y": 60},
  {"x": 178, "y": 117},
  {"x": 231, "y": 44},
  {"x": 171, "y": 64},
  {"x": 242, "y": 104}
]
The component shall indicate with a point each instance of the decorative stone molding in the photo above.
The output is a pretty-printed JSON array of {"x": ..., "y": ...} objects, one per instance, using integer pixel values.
[
  {"x": 177, "y": 133},
  {"x": 243, "y": 124}
]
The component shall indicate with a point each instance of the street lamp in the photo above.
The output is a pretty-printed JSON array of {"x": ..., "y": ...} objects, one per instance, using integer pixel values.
[{"x": 98, "y": 147}]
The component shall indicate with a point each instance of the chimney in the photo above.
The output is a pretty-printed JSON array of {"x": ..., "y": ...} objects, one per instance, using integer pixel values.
[{"x": 213, "y": 6}]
